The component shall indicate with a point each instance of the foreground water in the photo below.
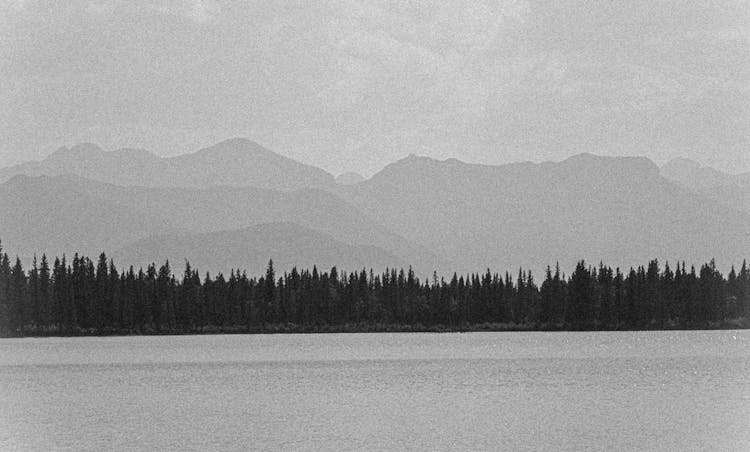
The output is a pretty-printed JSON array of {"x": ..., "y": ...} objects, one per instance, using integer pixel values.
[{"x": 509, "y": 391}]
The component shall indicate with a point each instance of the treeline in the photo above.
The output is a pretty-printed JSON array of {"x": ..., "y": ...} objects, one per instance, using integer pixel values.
[{"x": 81, "y": 296}]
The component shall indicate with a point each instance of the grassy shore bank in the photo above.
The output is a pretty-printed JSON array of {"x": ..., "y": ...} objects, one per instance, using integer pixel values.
[{"x": 291, "y": 328}]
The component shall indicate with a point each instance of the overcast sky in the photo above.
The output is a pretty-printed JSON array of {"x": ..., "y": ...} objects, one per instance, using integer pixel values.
[{"x": 354, "y": 85}]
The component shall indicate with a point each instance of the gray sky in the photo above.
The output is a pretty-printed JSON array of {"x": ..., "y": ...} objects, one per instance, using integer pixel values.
[{"x": 354, "y": 85}]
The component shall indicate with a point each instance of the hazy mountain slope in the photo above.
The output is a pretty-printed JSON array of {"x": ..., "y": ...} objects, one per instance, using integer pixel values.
[
  {"x": 250, "y": 249},
  {"x": 224, "y": 208},
  {"x": 235, "y": 162},
  {"x": 732, "y": 190},
  {"x": 616, "y": 209},
  {"x": 692, "y": 174},
  {"x": 736, "y": 197},
  {"x": 620, "y": 210},
  {"x": 72, "y": 200},
  {"x": 40, "y": 215}
]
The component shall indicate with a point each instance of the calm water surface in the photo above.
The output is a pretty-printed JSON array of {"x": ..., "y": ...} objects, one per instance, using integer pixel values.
[{"x": 476, "y": 391}]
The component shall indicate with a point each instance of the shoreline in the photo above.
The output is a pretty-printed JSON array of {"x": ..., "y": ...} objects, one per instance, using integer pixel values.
[{"x": 733, "y": 324}]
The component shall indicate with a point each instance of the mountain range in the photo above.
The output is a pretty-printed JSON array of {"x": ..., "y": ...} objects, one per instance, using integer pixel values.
[
  {"x": 237, "y": 204},
  {"x": 95, "y": 216},
  {"x": 620, "y": 210},
  {"x": 235, "y": 162}
]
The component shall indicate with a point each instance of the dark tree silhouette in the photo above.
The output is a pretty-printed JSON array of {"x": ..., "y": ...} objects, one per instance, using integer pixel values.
[{"x": 81, "y": 297}]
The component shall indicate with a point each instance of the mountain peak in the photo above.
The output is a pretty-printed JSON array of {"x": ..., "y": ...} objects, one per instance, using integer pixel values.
[
  {"x": 141, "y": 154},
  {"x": 233, "y": 162},
  {"x": 235, "y": 147},
  {"x": 414, "y": 158},
  {"x": 237, "y": 142},
  {"x": 418, "y": 161},
  {"x": 410, "y": 166}
]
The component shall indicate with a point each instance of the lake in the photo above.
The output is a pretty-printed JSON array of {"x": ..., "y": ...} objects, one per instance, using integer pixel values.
[{"x": 676, "y": 390}]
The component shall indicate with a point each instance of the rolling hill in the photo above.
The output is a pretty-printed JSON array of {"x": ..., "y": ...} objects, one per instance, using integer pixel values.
[{"x": 250, "y": 249}]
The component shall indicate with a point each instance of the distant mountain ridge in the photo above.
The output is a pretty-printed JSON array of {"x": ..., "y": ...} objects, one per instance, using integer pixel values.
[
  {"x": 619, "y": 210},
  {"x": 692, "y": 174},
  {"x": 114, "y": 216},
  {"x": 444, "y": 215},
  {"x": 236, "y": 162},
  {"x": 732, "y": 190}
]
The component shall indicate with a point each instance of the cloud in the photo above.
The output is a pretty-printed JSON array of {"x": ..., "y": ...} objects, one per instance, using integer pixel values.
[
  {"x": 436, "y": 57},
  {"x": 731, "y": 34},
  {"x": 198, "y": 11},
  {"x": 18, "y": 5},
  {"x": 99, "y": 8},
  {"x": 202, "y": 11},
  {"x": 538, "y": 78}
]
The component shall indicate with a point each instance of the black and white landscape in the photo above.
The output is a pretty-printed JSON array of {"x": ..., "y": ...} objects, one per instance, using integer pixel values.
[{"x": 374, "y": 225}]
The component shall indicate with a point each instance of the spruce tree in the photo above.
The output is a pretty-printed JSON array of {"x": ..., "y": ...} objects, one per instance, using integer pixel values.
[
  {"x": 269, "y": 292},
  {"x": 100, "y": 307},
  {"x": 18, "y": 300},
  {"x": 113, "y": 315},
  {"x": 5, "y": 272},
  {"x": 744, "y": 290},
  {"x": 34, "y": 309},
  {"x": 162, "y": 299},
  {"x": 582, "y": 297},
  {"x": 44, "y": 292}
]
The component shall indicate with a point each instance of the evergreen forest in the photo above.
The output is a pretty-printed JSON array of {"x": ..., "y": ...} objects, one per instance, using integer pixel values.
[{"x": 81, "y": 296}]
